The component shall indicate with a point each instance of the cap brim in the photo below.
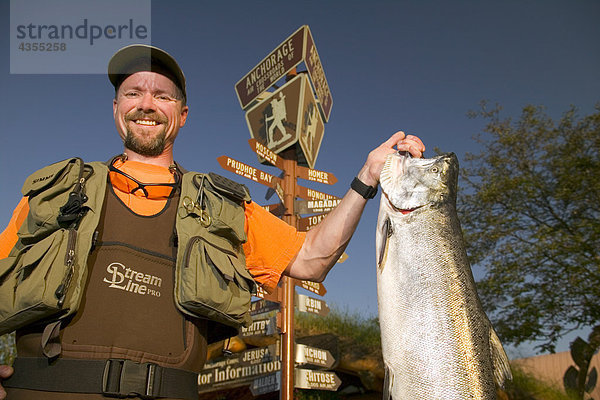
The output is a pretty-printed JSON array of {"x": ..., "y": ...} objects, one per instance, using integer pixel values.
[{"x": 141, "y": 57}]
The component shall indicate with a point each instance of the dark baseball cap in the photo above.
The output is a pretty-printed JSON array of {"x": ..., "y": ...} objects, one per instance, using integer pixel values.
[{"x": 142, "y": 57}]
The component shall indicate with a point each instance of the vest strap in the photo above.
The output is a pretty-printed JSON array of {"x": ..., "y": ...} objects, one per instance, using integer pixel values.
[{"x": 111, "y": 378}]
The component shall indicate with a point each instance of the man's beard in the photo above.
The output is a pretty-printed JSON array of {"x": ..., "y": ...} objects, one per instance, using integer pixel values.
[{"x": 151, "y": 148}]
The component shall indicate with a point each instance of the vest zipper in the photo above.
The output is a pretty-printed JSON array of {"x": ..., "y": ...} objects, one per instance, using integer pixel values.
[{"x": 62, "y": 289}]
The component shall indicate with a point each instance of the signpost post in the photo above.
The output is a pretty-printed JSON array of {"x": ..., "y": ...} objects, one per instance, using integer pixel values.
[{"x": 287, "y": 127}]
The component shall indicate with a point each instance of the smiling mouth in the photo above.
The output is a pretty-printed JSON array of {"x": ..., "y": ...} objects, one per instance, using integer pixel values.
[{"x": 145, "y": 122}]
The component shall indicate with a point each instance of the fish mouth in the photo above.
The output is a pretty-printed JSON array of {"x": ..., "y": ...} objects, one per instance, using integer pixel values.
[{"x": 403, "y": 211}]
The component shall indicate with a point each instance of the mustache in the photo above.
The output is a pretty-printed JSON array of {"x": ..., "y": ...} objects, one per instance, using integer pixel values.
[{"x": 143, "y": 115}]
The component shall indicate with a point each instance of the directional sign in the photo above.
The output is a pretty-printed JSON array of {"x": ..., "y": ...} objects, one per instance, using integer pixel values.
[
  {"x": 276, "y": 209},
  {"x": 275, "y": 120},
  {"x": 288, "y": 117},
  {"x": 311, "y": 379},
  {"x": 311, "y": 194},
  {"x": 266, "y": 384},
  {"x": 247, "y": 171},
  {"x": 315, "y": 175},
  {"x": 298, "y": 47},
  {"x": 260, "y": 327},
  {"x": 314, "y": 206},
  {"x": 274, "y": 297},
  {"x": 262, "y": 306},
  {"x": 273, "y": 67},
  {"x": 259, "y": 355},
  {"x": 310, "y": 126},
  {"x": 311, "y": 355},
  {"x": 306, "y": 223},
  {"x": 317, "y": 76},
  {"x": 315, "y": 287},
  {"x": 265, "y": 154},
  {"x": 311, "y": 305},
  {"x": 233, "y": 374},
  {"x": 279, "y": 191}
]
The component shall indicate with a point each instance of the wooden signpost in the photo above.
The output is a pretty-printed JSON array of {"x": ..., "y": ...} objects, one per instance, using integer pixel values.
[{"x": 286, "y": 126}]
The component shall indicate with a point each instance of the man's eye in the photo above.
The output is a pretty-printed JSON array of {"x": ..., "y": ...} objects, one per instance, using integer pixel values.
[
  {"x": 131, "y": 94},
  {"x": 163, "y": 97}
]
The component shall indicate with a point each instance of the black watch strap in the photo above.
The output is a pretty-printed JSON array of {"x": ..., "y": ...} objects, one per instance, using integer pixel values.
[{"x": 366, "y": 191}]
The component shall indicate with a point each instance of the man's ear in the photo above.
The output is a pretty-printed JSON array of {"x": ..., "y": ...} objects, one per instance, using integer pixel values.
[{"x": 184, "y": 114}]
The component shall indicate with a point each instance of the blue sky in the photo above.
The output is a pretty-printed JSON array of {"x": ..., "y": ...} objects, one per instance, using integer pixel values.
[{"x": 417, "y": 66}]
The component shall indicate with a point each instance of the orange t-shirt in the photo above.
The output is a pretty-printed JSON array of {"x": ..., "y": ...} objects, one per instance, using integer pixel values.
[{"x": 271, "y": 244}]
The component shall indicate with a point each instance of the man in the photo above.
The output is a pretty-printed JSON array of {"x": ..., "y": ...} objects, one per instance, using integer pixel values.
[{"x": 127, "y": 313}]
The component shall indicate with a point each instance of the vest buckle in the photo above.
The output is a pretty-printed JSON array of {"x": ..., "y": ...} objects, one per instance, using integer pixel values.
[{"x": 126, "y": 378}]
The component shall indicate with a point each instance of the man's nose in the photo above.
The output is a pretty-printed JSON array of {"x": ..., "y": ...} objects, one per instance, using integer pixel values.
[{"x": 146, "y": 102}]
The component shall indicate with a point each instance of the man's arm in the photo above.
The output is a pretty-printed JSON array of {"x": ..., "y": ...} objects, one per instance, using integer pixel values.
[{"x": 326, "y": 242}]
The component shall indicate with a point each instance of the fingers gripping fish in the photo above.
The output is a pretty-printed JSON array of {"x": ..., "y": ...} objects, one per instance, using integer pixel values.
[{"x": 437, "y": 341}]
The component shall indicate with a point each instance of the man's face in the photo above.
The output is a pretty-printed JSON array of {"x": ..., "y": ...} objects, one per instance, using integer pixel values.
[{"x": 147, "y": 113}]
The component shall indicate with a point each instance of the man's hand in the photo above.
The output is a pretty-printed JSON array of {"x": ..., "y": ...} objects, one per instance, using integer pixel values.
[
  {"x": 5, "y": 372},
  {"x": 325, "y": 243},
  {"x": 369, "y": 174}
]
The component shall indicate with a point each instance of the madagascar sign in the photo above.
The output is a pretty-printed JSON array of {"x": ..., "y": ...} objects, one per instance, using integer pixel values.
[{"x": 314, "y": 206}]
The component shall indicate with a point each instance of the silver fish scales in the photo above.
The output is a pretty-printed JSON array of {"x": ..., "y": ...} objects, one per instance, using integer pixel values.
[{"x": 437, "y": 341}]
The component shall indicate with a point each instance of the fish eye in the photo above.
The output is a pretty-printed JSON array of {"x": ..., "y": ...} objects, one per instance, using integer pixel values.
[{"x": 435, "y": 170}]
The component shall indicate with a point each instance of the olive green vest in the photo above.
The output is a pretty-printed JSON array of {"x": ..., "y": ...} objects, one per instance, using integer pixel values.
[{"x": 43, "y": 277}]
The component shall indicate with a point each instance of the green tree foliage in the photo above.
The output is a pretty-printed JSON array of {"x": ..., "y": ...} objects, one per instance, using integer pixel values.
[{"x": 530, "y": 212}]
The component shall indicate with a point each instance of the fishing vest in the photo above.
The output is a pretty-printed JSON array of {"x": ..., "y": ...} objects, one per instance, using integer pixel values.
[{"x": 43, "y": 278}]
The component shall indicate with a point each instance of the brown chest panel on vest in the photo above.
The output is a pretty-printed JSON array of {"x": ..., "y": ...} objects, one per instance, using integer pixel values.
[{"x": 128, "y": 309}]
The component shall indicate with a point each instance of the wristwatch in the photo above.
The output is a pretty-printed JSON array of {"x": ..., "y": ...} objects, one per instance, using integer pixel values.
[{"x": 366, "y": 191}]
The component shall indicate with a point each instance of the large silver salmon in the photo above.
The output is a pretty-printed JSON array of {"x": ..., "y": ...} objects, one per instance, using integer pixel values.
[{"x": 437, "y": 341}]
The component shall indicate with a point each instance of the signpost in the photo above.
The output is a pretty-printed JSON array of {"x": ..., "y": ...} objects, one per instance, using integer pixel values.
[
  {"x": 295, "y": 49},
  {"x": 266, "y": 384},
  {"x": 287, "y": 127},
  {"x": 315, "y": 287},
  {"x": 321, "y": 380},
  {"x": 238, "y": 167},
  {"x": 304, "y": 224},
  {"x": 287, "y": 117},
  {"x": 311, "y": 194},
  {"x": 313, "y": 356},
  {"x": 315, "y": 206},
  {"x": 316, "y": 176},
  {"x": 312, "y": 305}
]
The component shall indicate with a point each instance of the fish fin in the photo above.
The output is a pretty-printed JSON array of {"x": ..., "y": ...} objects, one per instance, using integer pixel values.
[
  {"x": 387, "y": 175},
  {"x": 388, "y": 384},
  {"x": 500, "y": 362},
  {"x": 387, "y": 232}
]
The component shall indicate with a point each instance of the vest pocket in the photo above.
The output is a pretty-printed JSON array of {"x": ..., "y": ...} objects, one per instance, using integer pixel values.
[
  {"x": 212, "y": 286},
  {"x": 29, "y": 282},
  {"x": 226, "y": 219}
]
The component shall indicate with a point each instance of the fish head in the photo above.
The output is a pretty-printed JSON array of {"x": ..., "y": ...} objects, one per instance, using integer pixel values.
[{"x": 411, "y": 183}]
